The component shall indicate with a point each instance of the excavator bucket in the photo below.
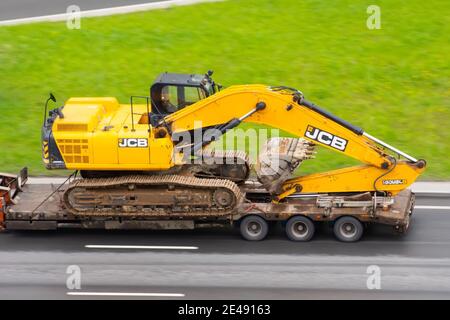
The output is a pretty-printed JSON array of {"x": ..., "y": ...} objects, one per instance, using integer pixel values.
[{"x": 279, "y": 158}]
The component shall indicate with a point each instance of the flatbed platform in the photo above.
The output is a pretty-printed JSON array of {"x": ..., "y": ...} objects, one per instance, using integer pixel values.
[{"x": 40, "y": 207}]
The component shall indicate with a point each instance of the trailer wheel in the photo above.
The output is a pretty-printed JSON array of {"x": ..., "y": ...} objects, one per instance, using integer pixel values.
[
  {"x": 300, "y": 228},
  {"x": 254, "y": 228},
  {"x": 348, "y": 229}
]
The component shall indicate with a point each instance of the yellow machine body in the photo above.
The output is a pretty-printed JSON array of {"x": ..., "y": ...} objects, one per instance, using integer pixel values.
[
  {"x": 97, "y": 134},
  {"x": 101, "y": 134}
]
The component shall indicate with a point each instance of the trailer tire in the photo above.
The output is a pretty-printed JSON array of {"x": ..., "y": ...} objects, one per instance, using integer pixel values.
[
  {"x": 300, "y": 228},
  {"x": 254, "y": 228},
  {"x": 348, "y": 229}
]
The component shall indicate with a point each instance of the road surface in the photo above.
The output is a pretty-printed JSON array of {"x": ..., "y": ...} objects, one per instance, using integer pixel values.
[
  {"x": 16, "y": 9},
  {"x": 209, "y": 264}
]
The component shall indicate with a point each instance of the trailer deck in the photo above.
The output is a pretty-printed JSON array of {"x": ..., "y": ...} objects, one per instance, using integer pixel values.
[{"x": 40, "y": 207}]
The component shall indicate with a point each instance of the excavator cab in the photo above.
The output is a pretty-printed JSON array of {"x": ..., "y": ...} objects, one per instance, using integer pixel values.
[{"x": 172, "y": 92}]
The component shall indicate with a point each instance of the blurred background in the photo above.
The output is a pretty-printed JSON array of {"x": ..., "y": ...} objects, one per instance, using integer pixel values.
[{"x": 393, "y": 81}]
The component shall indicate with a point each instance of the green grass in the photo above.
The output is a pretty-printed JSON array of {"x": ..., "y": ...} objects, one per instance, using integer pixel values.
[{"x": 393, "y": 82}]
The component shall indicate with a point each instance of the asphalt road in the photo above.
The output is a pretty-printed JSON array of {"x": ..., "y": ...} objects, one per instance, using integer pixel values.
[
  {"x": 415, "y": 265},
  {"x": 15, "y": 9},
  {"x": 33, "y": 264}
]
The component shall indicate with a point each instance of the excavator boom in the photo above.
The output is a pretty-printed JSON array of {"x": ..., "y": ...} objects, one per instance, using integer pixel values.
[{"x": 286, "y": 109}]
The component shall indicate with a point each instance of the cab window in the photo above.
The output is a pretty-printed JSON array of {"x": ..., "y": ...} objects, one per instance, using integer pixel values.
[
  {"x": 174, "y": 98},
  {"x": 193, "y": 94}
]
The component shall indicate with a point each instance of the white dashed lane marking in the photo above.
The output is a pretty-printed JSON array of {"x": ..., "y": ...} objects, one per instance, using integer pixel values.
[{"x": 95, "y": 246}]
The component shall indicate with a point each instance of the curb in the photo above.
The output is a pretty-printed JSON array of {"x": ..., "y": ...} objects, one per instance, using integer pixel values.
[
  {"x": 441, "y": 189},
  {"x": 433, "y": 194},
  {"x": 104, "y": 12}
]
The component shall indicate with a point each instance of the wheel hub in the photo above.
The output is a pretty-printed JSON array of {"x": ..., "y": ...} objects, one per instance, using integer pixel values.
[
  {"x": 254, "y": 228},
  {"x": 300, "y": 229},
  {"x": 348, "y": 230}
]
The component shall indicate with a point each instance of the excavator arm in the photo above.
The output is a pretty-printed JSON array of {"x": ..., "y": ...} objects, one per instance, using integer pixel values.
[{"x": 286, "y": 109}]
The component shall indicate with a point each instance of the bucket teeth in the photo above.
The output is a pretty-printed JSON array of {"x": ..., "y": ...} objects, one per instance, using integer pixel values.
[{"x": 278, "y": 158}]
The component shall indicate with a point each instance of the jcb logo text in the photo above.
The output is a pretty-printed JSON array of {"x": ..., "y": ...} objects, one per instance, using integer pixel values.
[
  {"x": 326, "y": 138},
  {"x": 133, "y": 143}
]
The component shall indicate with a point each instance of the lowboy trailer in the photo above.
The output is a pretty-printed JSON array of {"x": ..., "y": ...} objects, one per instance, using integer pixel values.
[{"x": 41, "y": 207}]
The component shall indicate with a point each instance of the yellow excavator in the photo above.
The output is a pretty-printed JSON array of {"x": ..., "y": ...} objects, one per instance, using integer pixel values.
[{"x": 142, "y": 161}]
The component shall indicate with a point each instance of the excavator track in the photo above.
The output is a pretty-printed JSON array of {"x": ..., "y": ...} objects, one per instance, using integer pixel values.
[{"x": 152, "y": 196}]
